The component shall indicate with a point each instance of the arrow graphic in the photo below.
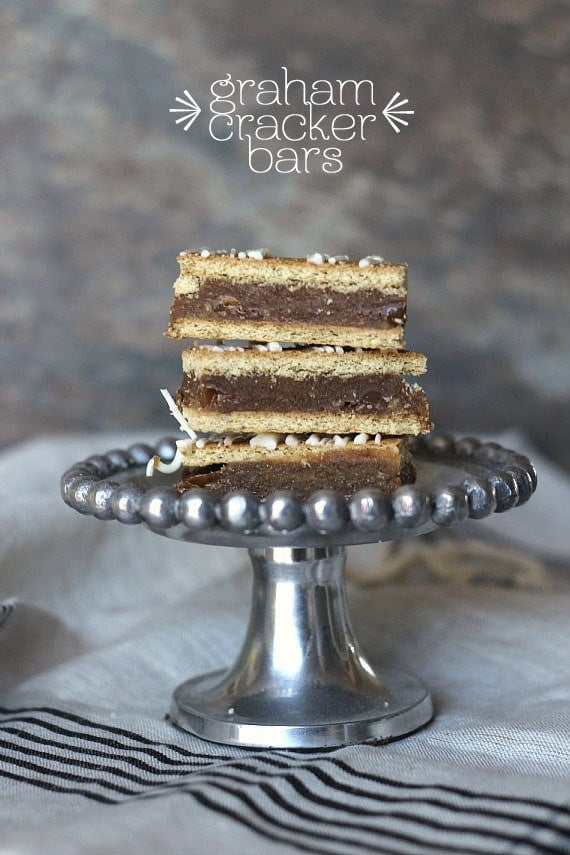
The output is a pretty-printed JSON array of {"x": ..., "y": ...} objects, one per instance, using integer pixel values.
[
  {"x": 190, "y": 110},
  {"x": 393, "y": 115}
]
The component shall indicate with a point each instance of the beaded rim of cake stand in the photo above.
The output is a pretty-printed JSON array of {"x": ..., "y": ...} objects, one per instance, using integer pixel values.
[{"x": 508, "y": 480}]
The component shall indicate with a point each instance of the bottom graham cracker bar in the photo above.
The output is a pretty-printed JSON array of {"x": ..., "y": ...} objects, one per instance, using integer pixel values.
[{"x": 302, "y": 468}]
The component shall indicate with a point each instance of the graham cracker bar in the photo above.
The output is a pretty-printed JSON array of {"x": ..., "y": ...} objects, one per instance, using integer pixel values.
[
  {"x": 303, "y": 390},
  {"x": 223, "y": 296},
  {"x": 303, "y": 468}
]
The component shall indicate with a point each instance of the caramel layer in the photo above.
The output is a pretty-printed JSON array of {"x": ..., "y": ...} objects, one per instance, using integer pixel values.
[
  {"x": 232, "y": 301},
  {"x": 369, "y": 394},
  {"x": 342, "y": 471}
]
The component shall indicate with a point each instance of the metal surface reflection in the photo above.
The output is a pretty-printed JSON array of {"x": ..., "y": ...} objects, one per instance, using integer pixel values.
[{"x": 301, "y": 679}]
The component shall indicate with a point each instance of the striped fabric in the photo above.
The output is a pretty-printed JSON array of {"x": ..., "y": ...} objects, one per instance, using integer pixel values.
[{"x": 313, "y": 802}]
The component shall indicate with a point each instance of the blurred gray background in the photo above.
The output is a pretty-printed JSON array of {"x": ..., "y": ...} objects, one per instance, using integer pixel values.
[{"x": 100, "y": 190}]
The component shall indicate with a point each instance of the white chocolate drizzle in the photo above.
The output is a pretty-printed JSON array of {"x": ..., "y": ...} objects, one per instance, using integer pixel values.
[
  {"x": 155, "y": 464},
  {"x": 184, "y": 426}
]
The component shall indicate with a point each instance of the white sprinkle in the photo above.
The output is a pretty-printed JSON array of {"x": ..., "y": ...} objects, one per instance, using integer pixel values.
[
  {"x": 340, "y": 440},
  {"x": 257, "y": 254},
  {"x": 326, "y": 440},
  {"x": 270, "y": 441},
  {"x": 220, "y": 348},
  {"x": 338, "y": 350},
  {"x": 233, "y": 252},
  {"x": 202, "y": 442},
  {"x": 228, "y": 440},
  {"x": 329, "y": 301},
  {"x": 242, "y": 254},
  {"x": 205, "y": 252},
  {"x": 361, "y": 439},
  {"x": 378, "y": 439},
  {"x": 338, "y": 259},
  {"x": 292, "y": 440},
  {"x": 313, "y": 439},
  {"x": 274, "y": 346},
  {"x": 370, "y": 259},
  {"x": 318, "y": 258}
]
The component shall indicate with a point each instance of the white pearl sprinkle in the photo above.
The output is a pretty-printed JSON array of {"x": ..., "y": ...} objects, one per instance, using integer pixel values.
[
  {"x": 340, "y": 440},
  {"x": 270, "y": 441},
  {"x": 313, "y": 439},
  {"x": 205, "y": 252},
  {"x": 378, "y": 439},
  {"x": 274, "y": 346},
  {"x": 317, "y": 258},
  {"x": 257, "y": 254},
  {"x": 370, "y": 259},
  {"x": 242, "y": 255},
  {"x": 292, "y": 440},
  {"x": 361, "y": 439}
]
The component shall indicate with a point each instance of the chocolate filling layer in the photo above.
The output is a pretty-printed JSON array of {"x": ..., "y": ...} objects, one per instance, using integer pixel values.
[
  {"x": 366, "y": 393},
  {"x": 234, "y": 301},
  {"x": 340, "y": 472}
]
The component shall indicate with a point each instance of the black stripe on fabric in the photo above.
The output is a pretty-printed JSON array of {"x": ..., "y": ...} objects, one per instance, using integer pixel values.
[
  {"x": 283, "y": 761},
  {"x": 390, "y": 782},
  {"x": 135, "y": 737},
  {"x": 57, "y": 788},
  {"x": 110, "y": 743},
  {"x": 94, "y": 752},
  {"x": 211, "y": 804},
  {"x": 304, "y": 791},
  {"x": 69, "y": 776},
  {"x": 360, "y": 792},
  {"x": 327, "y": 780},
  {"x": 446, "y": 788},
  {"x": 391, "y": 834},
  {"x": 82, "y": 764},
  {"x": 290, "y": 778},
  {"x": 476, "y": 831}
]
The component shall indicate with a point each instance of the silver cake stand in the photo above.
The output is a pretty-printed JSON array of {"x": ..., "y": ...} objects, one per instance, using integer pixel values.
[{"x": 301, "y": 679}]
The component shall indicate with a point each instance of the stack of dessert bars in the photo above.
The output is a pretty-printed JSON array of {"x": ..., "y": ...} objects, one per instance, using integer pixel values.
[{"x": 294, "y": 377}]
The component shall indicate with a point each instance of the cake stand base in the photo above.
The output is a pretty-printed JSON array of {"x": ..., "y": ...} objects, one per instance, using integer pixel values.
[{"x": 300, "y": 680}]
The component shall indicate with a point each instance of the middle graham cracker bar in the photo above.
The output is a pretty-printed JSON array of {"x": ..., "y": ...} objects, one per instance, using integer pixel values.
[
  {"x": 303, "y": 390},
  {"x": 302, "y": 468},
  {"x": 222, "y": 296}
]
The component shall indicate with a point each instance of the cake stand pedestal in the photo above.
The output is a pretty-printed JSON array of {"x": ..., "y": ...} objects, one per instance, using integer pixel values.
[{"x": 301, "y": 679}]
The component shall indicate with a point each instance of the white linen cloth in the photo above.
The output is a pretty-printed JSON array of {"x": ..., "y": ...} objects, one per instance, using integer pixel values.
[{"x": 101, "y": 621}]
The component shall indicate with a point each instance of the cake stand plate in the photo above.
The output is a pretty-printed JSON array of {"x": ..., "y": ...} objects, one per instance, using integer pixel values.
[{"x": 301, "y": 679}]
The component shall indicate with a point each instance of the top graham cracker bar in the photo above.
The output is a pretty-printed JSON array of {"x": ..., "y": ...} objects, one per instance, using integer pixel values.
[{"x": 318, "y": 300}]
